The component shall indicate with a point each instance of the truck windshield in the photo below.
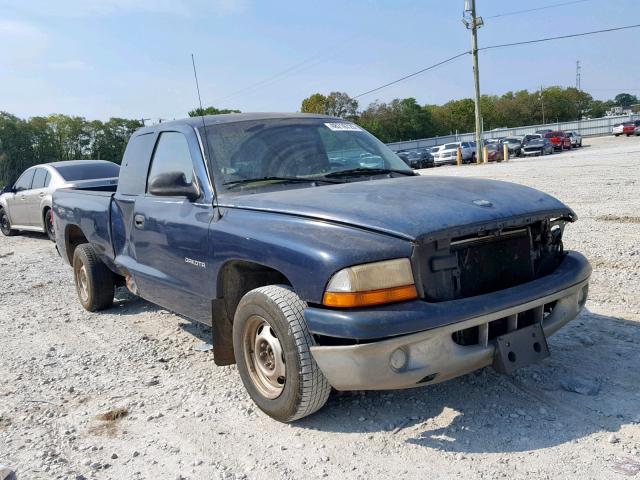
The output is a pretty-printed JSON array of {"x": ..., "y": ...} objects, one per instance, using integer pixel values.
[{"x": 279, "y": 151}]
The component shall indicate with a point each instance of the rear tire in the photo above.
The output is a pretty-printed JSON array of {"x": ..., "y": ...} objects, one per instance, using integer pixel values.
[
  {"x": 5, "y": 224},
  {"x": 271, "y": 344},
  {"x": 47, "y": 219},
  {"x": 94, "y": 281}
]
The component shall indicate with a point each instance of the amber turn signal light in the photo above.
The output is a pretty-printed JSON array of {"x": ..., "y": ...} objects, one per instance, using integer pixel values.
[{"x": 371, "y": 297}]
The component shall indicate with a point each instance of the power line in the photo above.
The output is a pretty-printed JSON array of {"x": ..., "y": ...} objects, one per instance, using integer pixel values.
[
  {"x": 517, "y": 12},
  {"x": 548, "y": 39},
  {"x": 431, "y": 67},
  {"x": 450, "y": 59},
  {"x": 297, "y": 68}
]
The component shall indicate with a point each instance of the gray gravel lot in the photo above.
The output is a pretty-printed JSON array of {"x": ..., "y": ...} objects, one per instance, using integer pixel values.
[{"x": 576, "y": 415}]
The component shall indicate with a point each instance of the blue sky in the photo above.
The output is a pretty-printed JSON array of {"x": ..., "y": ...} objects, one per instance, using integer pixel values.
[{"x": 131, "y": 58}]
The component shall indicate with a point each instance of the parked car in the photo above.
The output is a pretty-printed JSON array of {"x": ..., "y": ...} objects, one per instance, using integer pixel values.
[
  {"x": 544, "y": 131},
  {"x": 26, "y": 205},
  {"x": 514, "y": 145},
  {"x": 576, "y": 139},
  {"x": 426, "y": 156},
  {"x": 316, "y": 273},
  {"x": 495, "y": 152},
  {"x": 410, "y": 157},
  {"x": 637, "y": 131},
  {"x": 448, "y": 153},
  {"x": 420, "y": 158},
  {"x": 617, "y": 129},
  {"x": 559, "y": 139},
  {"x": 532, "y": 136},
  {"x": 538, "y": 146}
]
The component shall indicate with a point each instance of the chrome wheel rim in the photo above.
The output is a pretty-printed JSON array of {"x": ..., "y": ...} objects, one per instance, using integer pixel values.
[
  {"x": 82, "y": 283},
  {"x": 264, "y": 357}
]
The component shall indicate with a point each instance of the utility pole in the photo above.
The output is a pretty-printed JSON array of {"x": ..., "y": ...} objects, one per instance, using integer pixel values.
[
  {"x": 542, "y": 101},
  {"x": 473, "y": 23},
  {"x": 578, "y": 74}
]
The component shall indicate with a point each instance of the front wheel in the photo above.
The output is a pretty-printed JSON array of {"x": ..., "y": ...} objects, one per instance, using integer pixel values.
[
  {"x": 94, "y": 281},
  {"x": 5, "y": 224},
  {"x": 272, "y": 347}
]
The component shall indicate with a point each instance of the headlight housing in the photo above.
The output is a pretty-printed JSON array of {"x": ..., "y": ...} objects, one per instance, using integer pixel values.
[{"x": 371, "y": 284}]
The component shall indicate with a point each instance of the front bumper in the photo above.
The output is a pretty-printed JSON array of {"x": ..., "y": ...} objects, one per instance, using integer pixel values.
[{"x": 432, "y": 356}]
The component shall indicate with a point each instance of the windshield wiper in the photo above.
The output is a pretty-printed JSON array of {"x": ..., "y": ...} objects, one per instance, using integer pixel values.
[
  {"x": 368, "y": 171},
  {"x": 246, "y": 181}
]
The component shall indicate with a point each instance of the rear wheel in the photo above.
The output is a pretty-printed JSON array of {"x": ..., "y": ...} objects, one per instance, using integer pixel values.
[
  {"x": 94, "y": 281},
  {"x": 272, "y": 346},
  {"x": 5, "y": 224},
  {"x": 48, "y": 224}
]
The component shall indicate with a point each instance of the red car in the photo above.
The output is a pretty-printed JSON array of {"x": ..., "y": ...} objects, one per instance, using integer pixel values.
[{"x": 560, "y": 140}]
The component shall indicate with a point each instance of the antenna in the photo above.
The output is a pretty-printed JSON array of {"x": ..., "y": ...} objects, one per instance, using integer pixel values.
[{"x": 204, "y": 129}]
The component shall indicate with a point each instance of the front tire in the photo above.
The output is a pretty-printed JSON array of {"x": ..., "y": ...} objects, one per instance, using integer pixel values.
[
  {"x": 94, "y": 281},
  {"x": 5, "y": 224},
  {"x": 271, "y": 344}
]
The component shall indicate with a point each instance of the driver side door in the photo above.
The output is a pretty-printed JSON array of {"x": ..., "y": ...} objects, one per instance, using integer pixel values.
[
  {"x": 17, "y": 203},
  {"x": 170, "y": 234}
]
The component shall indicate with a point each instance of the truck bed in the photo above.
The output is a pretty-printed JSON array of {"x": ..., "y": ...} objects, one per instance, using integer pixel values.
[{"x": 90, "y": 209}]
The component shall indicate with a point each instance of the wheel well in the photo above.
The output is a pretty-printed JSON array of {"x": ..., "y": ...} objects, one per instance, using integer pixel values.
[
  {"x": 44, "y": 215},
  {"x": 235, "y": 279},
  {"x": 73, "y": 237}
]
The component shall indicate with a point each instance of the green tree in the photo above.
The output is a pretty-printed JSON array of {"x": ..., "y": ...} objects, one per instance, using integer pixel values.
[
  {"x": 339, "y": 104},
  {"x": 316, "y": 103},
  {"x": 336, "y": 104},
  {"x": 397, "y": 120},
  {"x": 625, "y": 100},
  {"x": 110, "y": 138},
  {"x": 210, "y": 111}
]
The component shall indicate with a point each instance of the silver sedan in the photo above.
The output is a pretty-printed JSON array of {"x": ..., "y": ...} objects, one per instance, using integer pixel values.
[{"x": 26, "y": 205}]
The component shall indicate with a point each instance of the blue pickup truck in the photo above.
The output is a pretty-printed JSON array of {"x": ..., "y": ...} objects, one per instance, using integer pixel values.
[{"x": 320, "y": 259}]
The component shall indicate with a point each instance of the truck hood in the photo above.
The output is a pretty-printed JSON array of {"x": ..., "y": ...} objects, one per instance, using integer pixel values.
[{"x": 411, "y": 207}]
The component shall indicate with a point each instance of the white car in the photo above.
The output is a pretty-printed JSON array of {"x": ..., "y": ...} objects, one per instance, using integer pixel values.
[
  {"x": 448, "y": 153},
  {"x": 576, "y": 139},
  {"x": 26, "y": 205},
  {"x": 618, "y": 129}
]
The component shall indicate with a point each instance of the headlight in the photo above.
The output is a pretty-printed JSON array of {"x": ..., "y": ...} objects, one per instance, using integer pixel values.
[{"x": 371, "y": 284}]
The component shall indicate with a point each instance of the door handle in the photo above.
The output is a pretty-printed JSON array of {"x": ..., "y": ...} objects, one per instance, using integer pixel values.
[
  {"x": 41, "y": 194},
  {"x": 138, "y": 220}
]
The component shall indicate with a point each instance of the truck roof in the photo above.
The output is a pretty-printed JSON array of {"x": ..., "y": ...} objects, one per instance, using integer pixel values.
[{"x": 233, "y": 117}]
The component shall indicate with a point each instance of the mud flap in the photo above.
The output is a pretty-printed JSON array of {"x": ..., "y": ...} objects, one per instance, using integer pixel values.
[
  {"x": 520, "y": 348},
  {"x": 222, "y": 331}
]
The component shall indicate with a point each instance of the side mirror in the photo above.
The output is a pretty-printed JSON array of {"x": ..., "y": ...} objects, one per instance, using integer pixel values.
[
  {"x": 173, "y": 184},
  {"x": 8, "y": 189}
]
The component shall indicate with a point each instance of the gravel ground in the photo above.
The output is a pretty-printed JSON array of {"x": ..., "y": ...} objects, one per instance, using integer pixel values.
[{"x": 124, "y": 394}]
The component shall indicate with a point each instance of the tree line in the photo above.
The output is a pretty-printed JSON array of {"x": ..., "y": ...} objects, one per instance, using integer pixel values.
[
  {"x": 27, "y": 142},
  {"x": 36, "y": 140},
  {"x": 406, "y": 119}
]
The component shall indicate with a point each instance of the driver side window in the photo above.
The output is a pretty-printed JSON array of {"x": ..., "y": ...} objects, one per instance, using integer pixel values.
[
  {"x": 171, "y": 155},
  {"x": 24, "y": 182}
]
